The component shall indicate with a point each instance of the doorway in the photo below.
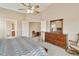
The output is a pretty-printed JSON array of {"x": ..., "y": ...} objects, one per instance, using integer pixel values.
[
  {"x": 11, "y": 28},
  {"x": 34, "y": 29}
]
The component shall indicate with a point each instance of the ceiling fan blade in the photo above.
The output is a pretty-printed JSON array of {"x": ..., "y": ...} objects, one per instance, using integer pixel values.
[
  {"x": 21, "y": 9},
  {"x": 37, "y": 6},
  {"x": 30, "y": 7},
  {"x": 33, "y": 8},
  {"x": 37, "y": 12},
  {"x": 24, "y": 4}
]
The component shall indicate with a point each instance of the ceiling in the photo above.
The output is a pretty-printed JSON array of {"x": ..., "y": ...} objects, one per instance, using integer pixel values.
[{"x": 16, "y": 6}]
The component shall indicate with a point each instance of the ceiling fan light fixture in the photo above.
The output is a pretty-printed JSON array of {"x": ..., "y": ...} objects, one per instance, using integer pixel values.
[
  {"x": 30, "y": 8},
  {"x": 30, "y": 11}
]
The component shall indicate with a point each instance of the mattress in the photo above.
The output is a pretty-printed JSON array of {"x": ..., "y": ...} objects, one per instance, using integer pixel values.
[{"x": 21, "y": 46}]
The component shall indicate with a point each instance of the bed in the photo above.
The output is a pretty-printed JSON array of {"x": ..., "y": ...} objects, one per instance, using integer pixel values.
[{"x": 21, "y": 46}]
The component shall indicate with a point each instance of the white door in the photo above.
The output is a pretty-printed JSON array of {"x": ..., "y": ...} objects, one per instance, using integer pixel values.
[{"x": 11, "y": 28}]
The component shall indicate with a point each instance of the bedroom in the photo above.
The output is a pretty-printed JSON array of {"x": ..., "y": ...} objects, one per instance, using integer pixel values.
[{"x": 50, "y": 11}]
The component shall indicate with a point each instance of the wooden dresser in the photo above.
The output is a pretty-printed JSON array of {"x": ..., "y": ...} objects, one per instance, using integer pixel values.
[{"x": 56, "y": 39}]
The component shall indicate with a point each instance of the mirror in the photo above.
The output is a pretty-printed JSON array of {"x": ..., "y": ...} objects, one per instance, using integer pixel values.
[{"x": 56, "y": 26}]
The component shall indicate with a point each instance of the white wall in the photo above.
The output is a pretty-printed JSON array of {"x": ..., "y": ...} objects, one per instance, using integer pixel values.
[
  {"x": 43, "y": 26},
  {"x": 12, "y": 15},
  {"x": 2, "y": 27},
  {"x": 25, "y": 28}
]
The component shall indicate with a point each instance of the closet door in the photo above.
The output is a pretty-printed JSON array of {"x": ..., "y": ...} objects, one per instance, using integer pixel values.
[{"x": 11, "y": 28}]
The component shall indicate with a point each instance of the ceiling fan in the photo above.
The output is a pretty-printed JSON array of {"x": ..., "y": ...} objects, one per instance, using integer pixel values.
[{"x": 29, "y": 8}]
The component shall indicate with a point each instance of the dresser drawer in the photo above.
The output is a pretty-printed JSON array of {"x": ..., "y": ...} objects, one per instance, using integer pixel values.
[{"x": 56, "y": 39}]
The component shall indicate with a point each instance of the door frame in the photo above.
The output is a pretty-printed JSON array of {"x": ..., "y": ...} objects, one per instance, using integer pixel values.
[
  {"x": 6, "y": 30},
  {"x": 34, "y": 22}
]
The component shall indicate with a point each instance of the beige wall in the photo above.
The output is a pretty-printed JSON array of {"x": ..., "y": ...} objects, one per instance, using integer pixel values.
[{"x": 10, "y": 15}]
